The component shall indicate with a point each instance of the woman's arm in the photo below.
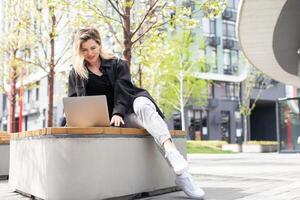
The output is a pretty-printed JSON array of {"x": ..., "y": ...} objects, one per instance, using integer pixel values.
[
  {"x": 72, "y": 84},
  {"x": 121, "y": 89}
]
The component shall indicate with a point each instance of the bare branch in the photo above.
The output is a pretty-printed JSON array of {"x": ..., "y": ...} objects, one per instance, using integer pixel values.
[
  {"x": 59, "y": 19},
  {"x": 145, "y": 17},
  {"x": 115, "y": 8},
  {"x": 111, "y": 29},
  {"x": 100, "y": 12},
  {"x": 64, "y": 51},
  {"x": 120, "y": 8},
  {"x": 146, "y": 31},
  {"x": 68, "y": 58},
  {"x": 39, "y": 64},
  {"x": 153, "y": 26}
]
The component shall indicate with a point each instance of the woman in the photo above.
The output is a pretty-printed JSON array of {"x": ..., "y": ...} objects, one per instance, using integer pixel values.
[{"x": 98, "y": 72}]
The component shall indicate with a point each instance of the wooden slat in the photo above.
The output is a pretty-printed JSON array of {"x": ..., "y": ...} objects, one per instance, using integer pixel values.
[
  {"x": 88, "y": 131},
  {"x": 4, "y": 138},
  {"x": 95, "y": 130}
]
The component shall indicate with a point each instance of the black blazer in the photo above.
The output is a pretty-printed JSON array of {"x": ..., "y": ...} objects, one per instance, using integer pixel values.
[{"x": 124, "y": 90}]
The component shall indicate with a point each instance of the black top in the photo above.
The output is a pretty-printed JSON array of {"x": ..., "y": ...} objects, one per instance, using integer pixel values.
[{"x": 100, "y": 85}]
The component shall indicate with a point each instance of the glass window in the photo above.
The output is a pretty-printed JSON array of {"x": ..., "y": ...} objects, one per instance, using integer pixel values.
[
  {"x": 225, "y": 125},
  {"x": 37, "y": 91},
  {"x": 210, "y": 90},
  {"x": 44, "y": 118},
  {"x": 198, "y": 128},
  {"x": 228, "y": 29},
  {"x": 234, "y": 58},
  {"x": 231, "y": 30},
  {"x": 206, "y": 25},
  {"x": 4, "y": 99},
  {"x": 233, "y": 4},
  {"x": 230, "y": 4},
  {"x": 236, "y": 2},
  {"x": 231, "y": 90},
  {"x": 226, "y": 59},
  {"x": 213, "y": 59},
  {"x": 28, "y": 95},
  {"x": 212, "y": 25}
]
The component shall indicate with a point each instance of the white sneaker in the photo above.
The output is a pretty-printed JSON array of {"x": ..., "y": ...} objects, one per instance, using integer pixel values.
[
  {"x": 177, "y": 161},
  {"x": 189, "y": 186}
]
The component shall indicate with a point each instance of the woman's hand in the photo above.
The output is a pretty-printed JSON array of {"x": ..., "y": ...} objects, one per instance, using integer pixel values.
[{"x": 116, "y": 120}]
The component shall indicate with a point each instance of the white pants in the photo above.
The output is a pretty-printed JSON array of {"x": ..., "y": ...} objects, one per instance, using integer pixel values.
[{"x": 145, "y": 116}]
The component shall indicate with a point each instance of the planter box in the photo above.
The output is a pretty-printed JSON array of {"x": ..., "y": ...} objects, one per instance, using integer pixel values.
[
  {"x": 4, "y": 155},
  {"x": 259, "y": 148},
  {"x": 232, "y": 147},
  {"x": 89, "y": 163}
]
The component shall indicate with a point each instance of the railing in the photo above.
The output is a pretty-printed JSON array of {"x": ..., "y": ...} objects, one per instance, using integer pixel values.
[
  {"x": 228, "y": 44},
  {"x": 229, "y": 14},
  {"x": 213, "y": 41}
]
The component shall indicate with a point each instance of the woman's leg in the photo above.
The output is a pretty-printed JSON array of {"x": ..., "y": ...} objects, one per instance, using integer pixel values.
[{"x": 146, "y": 116}]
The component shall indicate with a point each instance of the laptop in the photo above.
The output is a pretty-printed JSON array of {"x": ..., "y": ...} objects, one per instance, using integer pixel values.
[{"x": 86, "y": 111}]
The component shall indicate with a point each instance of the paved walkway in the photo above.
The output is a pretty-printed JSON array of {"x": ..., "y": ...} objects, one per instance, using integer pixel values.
[
  {"x": 269, "y": 176},
  {"x": 232, "y": 176}
]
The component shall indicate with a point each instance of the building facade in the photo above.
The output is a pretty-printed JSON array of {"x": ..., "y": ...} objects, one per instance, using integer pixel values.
[{"x": 221, "y": 119}]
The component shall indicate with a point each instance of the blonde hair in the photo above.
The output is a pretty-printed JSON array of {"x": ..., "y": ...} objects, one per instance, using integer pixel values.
[{"x": 82, "y": 36}]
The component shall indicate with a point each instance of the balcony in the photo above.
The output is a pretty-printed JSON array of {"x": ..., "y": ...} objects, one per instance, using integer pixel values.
[
  {"x": 213, "y": 41},
  {"x": 228, "y": 44},
  {"x": 230, "y": 70},
  {"x": 229, "y": 14}
]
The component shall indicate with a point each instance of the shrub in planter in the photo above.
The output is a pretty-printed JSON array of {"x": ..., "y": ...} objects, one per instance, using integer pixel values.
[
  {"x": 259, "y": 146},
  {"x": 232, "y": 147}
]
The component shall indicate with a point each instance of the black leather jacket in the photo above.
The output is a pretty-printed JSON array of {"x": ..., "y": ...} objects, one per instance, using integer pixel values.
[{"x": 124, "y": 90}]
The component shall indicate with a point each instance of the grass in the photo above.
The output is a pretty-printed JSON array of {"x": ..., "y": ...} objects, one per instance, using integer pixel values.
[{"x": 210, "y": 147}]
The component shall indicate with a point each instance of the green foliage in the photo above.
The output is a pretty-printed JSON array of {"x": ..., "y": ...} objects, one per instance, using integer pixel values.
[
  {"x": 19, "y": 39},
  {"x": 249, "y": 84},
  {"x": 169, "y": 63},
  {"x": 180, "y": 85},
  {"x": 211, "y": 147},
  {"x": 213, "y": 8}
]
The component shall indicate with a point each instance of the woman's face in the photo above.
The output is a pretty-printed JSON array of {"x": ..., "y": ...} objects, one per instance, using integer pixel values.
[{"x": 90, "y": 51}]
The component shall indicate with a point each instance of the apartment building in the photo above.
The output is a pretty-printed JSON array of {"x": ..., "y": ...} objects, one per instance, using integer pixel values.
[{"x": 221, "y": 119}]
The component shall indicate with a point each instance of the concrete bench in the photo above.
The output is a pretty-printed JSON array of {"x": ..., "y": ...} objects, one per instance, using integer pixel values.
[
  {"x": 4, "y": 155},
  {"x": 89, "y": 163}
]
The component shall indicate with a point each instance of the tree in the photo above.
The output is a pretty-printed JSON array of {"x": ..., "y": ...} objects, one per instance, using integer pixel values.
[
  {"x": 169, "y": 73},
  {"x": 53, "y": 28},
  {"x": 255, "y": 79},
  {"x": 18, "y": 34},
  {"x": 138, "y": 21},
  {"x": 180, "y": 84}
]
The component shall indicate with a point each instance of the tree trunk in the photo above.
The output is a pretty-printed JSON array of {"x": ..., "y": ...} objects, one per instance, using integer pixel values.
[
  {"x": 140, "y": 75},
  {"x": 50, "y": 97},
  {"x": 12, "y": 98},
  {"x": 181, "y": 102},
  {"x": 127, "y": 34},
  {"x": 21, "y": 101},
  {"x": 245, "y": 122},
  {"x": 51, "y": 71}
]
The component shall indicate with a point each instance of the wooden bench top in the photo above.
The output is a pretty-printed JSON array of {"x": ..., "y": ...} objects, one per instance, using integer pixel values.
[
  {"x": 4, "y": 138},
  {"x": 89, "y": 131}
]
